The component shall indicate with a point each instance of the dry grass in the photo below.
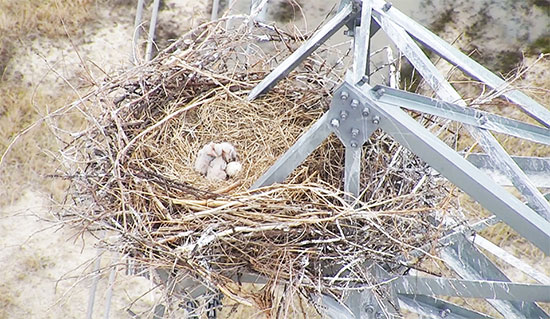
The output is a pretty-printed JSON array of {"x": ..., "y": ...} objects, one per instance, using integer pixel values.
[
  {"x": 22, "y": 107},
  {"x": 132, "y": 174},
  {"x": 47, "y": 18}
]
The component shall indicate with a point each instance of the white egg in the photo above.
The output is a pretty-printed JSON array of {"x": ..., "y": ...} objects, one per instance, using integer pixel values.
[{"x": 233, "y": 168}]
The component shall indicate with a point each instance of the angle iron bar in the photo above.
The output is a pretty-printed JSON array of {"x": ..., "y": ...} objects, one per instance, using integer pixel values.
[
  {"x": 296, "y": 154},
  {"x": 352, "y": 170},
  {"x": 215, "y": 10},
  {"x": 334, "y": 309},
  {"x": 463, "y": 114},
  {"x": 459, "y": 171},
  {"x": 530, "y": 164},
  {"x": 152, "y": 27},
  {"x": 137, "y": 29},
  {"x": 462, "y": 61},
  {"x": 361, "y": 42},
  {"x": 283, "y": 69},
  {"x": 485, "y": 289},
  {"x": 446, "y": 92},
  {"x": 510, "y": 259},
  {"x": 536, "y": 168},
  {"x": 469, "y": 263},
  {"x": 453, "y": 236},
  {"x": 430, "y": 307}
]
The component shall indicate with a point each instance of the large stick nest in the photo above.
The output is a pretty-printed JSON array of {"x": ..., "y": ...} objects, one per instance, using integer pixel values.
[{"x": 132, "y": 171}]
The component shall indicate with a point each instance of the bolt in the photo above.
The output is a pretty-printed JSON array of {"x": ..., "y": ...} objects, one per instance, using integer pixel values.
[
  {"x": 376, "y": 120},
  {"x": 354, "y": 143},
  {"x": 349, "y": 33},
  {"x": 378, "y": 93},
  {"x": 366, "y": 111},
  {"x": 344, "y": 95},
  {"x": 354, "y": 132},
  {"x": 444, "y": 313},
  {"x": 369, "y": 309},
  {"x": 482, "y": 120},
  {"x": 386, "y": 7},
  {"x": 344, "y": 115},
  {"x": 354, "y": 104},
  {"x": 379, "y": 315},
  {"x": 335, "y": 123}
]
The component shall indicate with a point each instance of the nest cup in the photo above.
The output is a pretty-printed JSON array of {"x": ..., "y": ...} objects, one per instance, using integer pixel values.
[{"x": 132, "y": 174}]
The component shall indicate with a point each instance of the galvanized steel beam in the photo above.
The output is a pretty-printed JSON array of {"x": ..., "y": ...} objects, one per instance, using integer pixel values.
[
  {"x": 463, "y": 114},
  {"x": 429, "y": 307},
  {"x": 295, "y": 155},
  {"x": 283, "y": 69},
  {"x": 361, "y": 42},
  {"x": 462, "y": 61},
  {"x": 469, "y": 263},
  {"x": 459, "y": 171},
  {"x": 536, "y": 168},
  {"x": 446, "y": 92},
  {"x": 486, "y": 289}
]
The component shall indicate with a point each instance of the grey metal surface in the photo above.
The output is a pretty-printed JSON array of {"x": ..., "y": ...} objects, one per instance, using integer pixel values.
[
  {"x": 296, "y": 154},
  {"x": 352, "y": 171},
  {"x": 536, "y": 168},
  {"x": 486, "y": 289},
  {"x": 215, "y": 10},
  {"x": 447, "y": 93},
  {"x": 459, "y": 171},
  {"x": 361, "y": 56},
  {"x": 463, "y": 114},
  {"x": 351, "y": 120},
  {"x": 430, "y": 307},
  {"x": 364, "y": 304},
  {"x": 459, "y": 232},
  {"x": 469, "y": 263},
  {"x": 283, "y": 69},
  {"x": 152, "y": 27},
  {"x": 464, "y": 62},
  {"x": 334, "y": 309},
  {"x": 137, "y": 30},
  {"x": 510, "y": 259}
]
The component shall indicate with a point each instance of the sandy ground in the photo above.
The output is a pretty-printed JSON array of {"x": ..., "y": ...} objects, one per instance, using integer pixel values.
[
  {"x": 43, "y": 266},
  {"x": 45, "y": 269}
]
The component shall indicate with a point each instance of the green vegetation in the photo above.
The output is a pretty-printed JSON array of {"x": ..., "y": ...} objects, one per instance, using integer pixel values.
[{"x": 540, "y": 45}]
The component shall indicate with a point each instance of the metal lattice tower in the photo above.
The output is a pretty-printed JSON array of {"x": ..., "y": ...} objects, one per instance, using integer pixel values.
[{"x": 357, "y": 110}]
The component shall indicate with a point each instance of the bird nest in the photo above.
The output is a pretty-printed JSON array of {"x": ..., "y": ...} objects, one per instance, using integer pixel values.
[{"x": 132, "y": 172}]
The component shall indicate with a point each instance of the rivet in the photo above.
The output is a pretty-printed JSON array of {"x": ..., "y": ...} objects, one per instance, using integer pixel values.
[
  {"x": 344, "y": 95},
  {"x": 335, "y": 123},
  {"x": 444, "y": 313},
  {"x": 344, "y": 115},
  {"x": 354, "y": 104},
  {"x": 376, "y": 120},
  {"x": 365, "y": 111},
  {"x": 387, "y": 7}
]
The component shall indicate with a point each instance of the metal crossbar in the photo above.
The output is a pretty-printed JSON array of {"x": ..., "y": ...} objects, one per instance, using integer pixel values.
[{"x": 357, "y": 109}]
